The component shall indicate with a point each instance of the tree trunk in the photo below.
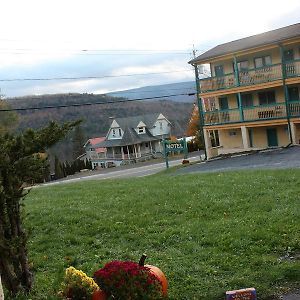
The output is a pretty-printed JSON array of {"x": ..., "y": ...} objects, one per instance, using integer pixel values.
[{"x": 1, "y": 291}]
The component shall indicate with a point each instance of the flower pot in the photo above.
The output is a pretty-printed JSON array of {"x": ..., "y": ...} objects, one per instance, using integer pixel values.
[{"x": 99, "y": 295}]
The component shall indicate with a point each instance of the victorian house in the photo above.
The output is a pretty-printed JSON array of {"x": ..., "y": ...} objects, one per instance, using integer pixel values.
[{"x": 133, "y": 139}]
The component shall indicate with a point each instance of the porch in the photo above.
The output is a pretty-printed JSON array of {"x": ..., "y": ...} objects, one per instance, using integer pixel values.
[
  {"x": 254, "y": 113},
  {"x": 247, "y": 138}
]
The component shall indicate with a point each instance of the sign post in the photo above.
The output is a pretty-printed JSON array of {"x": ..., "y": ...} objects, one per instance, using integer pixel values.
[{"x": 177, "y": 146}]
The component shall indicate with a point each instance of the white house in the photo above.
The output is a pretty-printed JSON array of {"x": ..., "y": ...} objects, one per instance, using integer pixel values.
[{"x": 134, "y": 139}]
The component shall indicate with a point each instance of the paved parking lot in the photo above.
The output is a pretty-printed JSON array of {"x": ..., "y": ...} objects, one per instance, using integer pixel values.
[{"x": 268, "y": 159}]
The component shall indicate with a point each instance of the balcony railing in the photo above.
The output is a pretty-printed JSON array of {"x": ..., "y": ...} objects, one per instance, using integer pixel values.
[
  {"x": 265, "y": 112},
  {"x": 293, "y": 68},
  {"x": 221, "y": 117},
  {"x": 250, "y": 77},
  {"x": 218, "y": 83},
  {"x": 294, "y": 108},
  {"x": 260, "y": 75},
  {"x": 251, "y": 114}
]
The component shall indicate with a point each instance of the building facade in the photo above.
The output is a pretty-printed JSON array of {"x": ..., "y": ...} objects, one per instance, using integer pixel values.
[
  {"x": 133, "y": 139},
  {"x": 250, "y": 100}
]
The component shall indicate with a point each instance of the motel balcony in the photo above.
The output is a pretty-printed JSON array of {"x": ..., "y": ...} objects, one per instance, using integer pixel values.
[
  {"x": 272, "y": 111},
  {"x": 251, "y": 77}
]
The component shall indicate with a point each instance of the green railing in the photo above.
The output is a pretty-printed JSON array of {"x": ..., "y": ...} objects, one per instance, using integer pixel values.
[
  {"x": 250, "y": 77},
  {"x": 222, "y": 117},
  {"x": 293, "y": 68},
  {"x": 217, "y": 83},
  {"x": 253, "y": 113},
  {"x": 265, "y": 112},
  {"x": 260, "y": 75},
  {"x": 294, "y": 108}
]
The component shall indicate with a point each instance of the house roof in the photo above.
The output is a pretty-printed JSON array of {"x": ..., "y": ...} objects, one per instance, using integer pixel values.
[
  {"x": 132, "y": 122},
  {"x": 94, "y": 142},
  {"x": 129, "y": 137},
  {"x": 266, "y": 38}
]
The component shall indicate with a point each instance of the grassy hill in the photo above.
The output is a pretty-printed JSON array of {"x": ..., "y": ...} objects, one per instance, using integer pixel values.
[{"x": 208, "y": 232}]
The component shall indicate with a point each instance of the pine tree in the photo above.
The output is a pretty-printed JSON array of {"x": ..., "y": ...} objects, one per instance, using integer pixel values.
[
  {"x": 8, "y": 119},
  {"x": 22, "y": 161},
  {"x": 58, "y": 169},
  {"x": 78, "y": 142}
]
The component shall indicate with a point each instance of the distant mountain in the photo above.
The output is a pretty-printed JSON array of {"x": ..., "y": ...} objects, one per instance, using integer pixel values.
[
  {"x": 186, "y": 88},
  {"x": 96, "y": 117}
]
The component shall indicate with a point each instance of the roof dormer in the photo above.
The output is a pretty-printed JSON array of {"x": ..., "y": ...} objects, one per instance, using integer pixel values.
[{"x": 141, "y": 128}]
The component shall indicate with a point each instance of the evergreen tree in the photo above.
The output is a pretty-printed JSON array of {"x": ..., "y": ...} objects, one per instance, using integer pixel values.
[
  {"x": 78, "y": 142},
  {"x": 58, "y": 169},
  {"x": 22, "y": 160},
  {"x": 8, "y": 119}
]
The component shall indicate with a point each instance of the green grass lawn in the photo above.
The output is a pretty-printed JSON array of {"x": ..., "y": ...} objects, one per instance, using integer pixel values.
[{"x": 208, "y": 232}]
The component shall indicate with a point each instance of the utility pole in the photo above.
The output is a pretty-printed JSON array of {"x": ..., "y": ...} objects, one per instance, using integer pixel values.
[{"x": 200, "y": 110}]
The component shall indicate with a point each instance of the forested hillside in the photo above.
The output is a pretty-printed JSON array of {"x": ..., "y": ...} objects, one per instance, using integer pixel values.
[{"x": 96, "y": 118}]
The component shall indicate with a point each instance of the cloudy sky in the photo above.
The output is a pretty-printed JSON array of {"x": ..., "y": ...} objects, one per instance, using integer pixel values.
[{"x": 110, "y": 45}]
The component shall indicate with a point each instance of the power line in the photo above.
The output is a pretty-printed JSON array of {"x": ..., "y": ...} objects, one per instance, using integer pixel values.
[
  {"x": 91, "y": 103},
  {"x": 90, "y": 77}
]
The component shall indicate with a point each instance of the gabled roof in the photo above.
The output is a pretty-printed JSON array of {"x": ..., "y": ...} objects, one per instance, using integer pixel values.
[
  {"x": 129, "y": 137},
  {"x": 132, "y": 122},
  {"x": 94, "y": 143},
  {"x": 267, "y": 38}
]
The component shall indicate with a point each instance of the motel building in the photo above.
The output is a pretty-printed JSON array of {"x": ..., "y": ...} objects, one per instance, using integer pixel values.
[{"x": 251, "y": 98}]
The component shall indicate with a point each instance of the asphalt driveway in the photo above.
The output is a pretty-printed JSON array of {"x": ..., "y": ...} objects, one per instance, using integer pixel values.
[{"x": 269, "y": 159}]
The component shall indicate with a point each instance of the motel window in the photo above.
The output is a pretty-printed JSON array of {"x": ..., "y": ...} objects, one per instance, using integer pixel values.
[
  {"x": 223, "y": 103},
  {"x": 243, "y": 65},
  {"x": 288, "y": 55},
  {"x": 262, "y": 61},
  {"x": 214, "y": 138},
  {"x": 219, "y": 71},
  {"x": 293, "y": 93},
  {"x": 266, "y": 97},
  {"x": 247, "y": 100}
]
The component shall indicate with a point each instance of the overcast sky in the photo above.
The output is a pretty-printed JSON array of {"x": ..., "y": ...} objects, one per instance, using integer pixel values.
[{"x": 45, "y": 39}]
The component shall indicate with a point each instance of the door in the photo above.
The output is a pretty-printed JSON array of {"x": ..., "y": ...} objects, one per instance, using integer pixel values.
[
  {"x": 250, "y": 133},
  {"x": 288, "y": 55},
  {"x": 219, "y": 72},
  {"x": 293, "y": 93},
  {"x": 223, "y": 103},
  {"x": 272, "y": 137}
]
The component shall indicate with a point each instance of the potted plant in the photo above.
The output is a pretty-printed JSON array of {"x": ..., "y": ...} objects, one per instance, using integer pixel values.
[
  {"x": 122, "y": 280},
  {"x": 78, "y": 286}
]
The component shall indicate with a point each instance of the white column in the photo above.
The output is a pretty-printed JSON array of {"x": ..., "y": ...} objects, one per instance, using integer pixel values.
[
  {"x": 113, "y": 152},
  {"x": 207, "y": 143},
  {"x": 245, "y": 137},
  {"x": 128, "y": 152},
  {"x": 151, "y": 147},
  {"x": 140, "y": 154},
  {"x": 293, "y": 133},
  {"x": 122, "y": 152},
  {"x": 135, "y": 152}
]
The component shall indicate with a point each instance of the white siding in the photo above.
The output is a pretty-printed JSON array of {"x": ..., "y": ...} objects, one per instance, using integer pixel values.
[{"x": 161, "y": 127}]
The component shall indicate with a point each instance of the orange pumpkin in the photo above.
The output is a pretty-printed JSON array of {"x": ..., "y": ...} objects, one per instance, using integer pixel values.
[
  {"x": 158, "y": 273},
  {"x": 99, "y": 295}
]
